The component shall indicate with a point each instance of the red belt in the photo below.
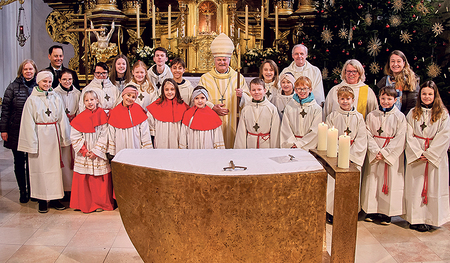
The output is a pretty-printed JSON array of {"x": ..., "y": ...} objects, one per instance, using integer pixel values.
[
  {"x": 297, "y": 136},
  {"x": 57, "y": 135},
  {"x": 385, "y": 188},
  {"x": 425, "y": 181},
  {"x": 264, "y": 136}
]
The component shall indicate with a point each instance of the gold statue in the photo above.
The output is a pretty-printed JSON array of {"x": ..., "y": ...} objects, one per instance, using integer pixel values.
[{"x": 102, "y": 49}]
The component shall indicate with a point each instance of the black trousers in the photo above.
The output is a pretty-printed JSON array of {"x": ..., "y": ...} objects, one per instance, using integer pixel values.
[{"x": 21, "y": 170}]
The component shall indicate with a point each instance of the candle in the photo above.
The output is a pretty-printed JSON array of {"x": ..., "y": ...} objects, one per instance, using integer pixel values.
[
  {"x": 239, "y": 33},
  {"x": 246, "y": 21},
  {"x": 332, "y": 141},
  {"x": 322, "y": 137},
  {"x": 220, "y": 29},
  {"x": 177, "y": 32},
  {"x": 344, "y": 151},
  {"x": 238, "y": 51},
  {"x": 137, "y": 22},
  {"x": 170, "y": 21},
  {"x": 276, "y": 22},
  {"x": 153, "y": 22},
  {"x": 262, "y": 22},
  {"x": 194, "y": 30}
]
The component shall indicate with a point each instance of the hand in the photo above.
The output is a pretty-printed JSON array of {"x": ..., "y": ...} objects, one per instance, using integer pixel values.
[
  {"x": 5, "y": 136},
  {"x": 239, "y": 93},
  {"x": 220, "y": 109},
  {"x": 293, "y": 146},
  {"x": 423, "y": 158},
  {"x": 379, "y": 156}
]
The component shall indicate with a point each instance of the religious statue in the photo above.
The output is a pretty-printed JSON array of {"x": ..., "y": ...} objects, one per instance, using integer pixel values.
[{"x": 102, "y": 49}]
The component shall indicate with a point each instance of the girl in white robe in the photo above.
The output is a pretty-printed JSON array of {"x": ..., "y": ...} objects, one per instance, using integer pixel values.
[
  {"x": 347, "y": 120},
  {"x": 383, "y": 181},
  {"x": 301, "y": 118},
  {"x": 44, "y": 130},
  {"x": 146, "y": 92},
  {"x": 268, "y": 71},
  {"x": 178, "y": 67},
  {"x": 202, "y": 127},
  {"x": 165, "y": 115},
  {"x": 259, "y": 123},
  {"x": 92, "y": 182},
  {"x": 281, "y": 99},
  {"x": 426, "y": 177},
  {"x": 128, "y": 125}
]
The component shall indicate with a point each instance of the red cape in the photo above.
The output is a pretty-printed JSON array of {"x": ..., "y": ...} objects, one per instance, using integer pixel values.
[
  {"x": 205, "y": 119},
  {"x": 120, "y": 118},
  {"x": 168, "y": 111},
  {"x": 87, "y": 120}
]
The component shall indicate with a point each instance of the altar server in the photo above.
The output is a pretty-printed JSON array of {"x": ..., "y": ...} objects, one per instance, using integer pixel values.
[
  {"x": 92, "y": 183},
  {"x": 146, "y": 92},
  {"x": 268, "y": 71},
  {"x": 301, "y": 118},
  {"x": 128, "y": 125},
  {"x": 201, "y": 128},
  {"x": 259, "y": 122},
  {"x": 348, "y": 121},
  {"x": 426, "y": 177},
  {"x": 165, "y": 115},
  {"x": 281, "y": 99},
  {"x": 44, "y": 129},
  {"x": 160, "y": 71},
  {"x": 178, "y": 67},
  {"x": 383, "y": 180}
]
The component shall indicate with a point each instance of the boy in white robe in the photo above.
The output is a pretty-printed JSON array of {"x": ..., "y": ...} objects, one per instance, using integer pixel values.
[
  {"x": 301, "y": 118},
  {"x": 160, "y": 71},
  {"x": 426, "y": 177},
  {"x": 44, "y": 130},
  {"x": 281, "y": 99},
  {"x": 383, "y": 180},
  {"x": 259, "y": 123},
  {"x": 347, "y": 120},
  {"x": 178, "y": 67}
]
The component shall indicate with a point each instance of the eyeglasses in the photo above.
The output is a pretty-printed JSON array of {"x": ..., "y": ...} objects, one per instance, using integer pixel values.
[
  {"x": 301, "y": 90},
  {"x": 66, "y": 80},
  {"x": 351, "y": 72},
  {"x": 101, "y": 74}
]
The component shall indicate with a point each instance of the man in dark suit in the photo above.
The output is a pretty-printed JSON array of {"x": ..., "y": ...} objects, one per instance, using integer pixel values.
[{"x": 56, "y": 57}]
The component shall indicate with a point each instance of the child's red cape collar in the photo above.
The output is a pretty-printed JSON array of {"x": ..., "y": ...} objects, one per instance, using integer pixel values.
[
  {"x": 168, "y": 111},
  {"x": 120, "y": 118},
  {"x": 205, "y": 119},
  {"x": 87, "y": 120}
]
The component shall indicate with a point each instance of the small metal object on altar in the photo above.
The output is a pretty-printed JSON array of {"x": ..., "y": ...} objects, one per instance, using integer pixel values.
[
  {"x": 291, "y": 157},
  {"x": 233, "y": 167}
]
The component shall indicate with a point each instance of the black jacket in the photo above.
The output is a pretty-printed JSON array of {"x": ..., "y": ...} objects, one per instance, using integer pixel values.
[
  {"x": 56, "y": 78},
  {"x": 13, "y": 101}
]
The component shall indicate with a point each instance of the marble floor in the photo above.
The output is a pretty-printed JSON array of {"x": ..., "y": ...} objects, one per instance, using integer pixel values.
[{"x": 71, "y": 236}]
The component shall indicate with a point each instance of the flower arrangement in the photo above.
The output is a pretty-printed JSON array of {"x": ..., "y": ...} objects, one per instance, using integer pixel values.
[{"x": 254, "y": 57}]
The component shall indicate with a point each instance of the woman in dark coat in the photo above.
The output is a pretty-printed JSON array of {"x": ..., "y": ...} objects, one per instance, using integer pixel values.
[{"x": 13, "y": 101}]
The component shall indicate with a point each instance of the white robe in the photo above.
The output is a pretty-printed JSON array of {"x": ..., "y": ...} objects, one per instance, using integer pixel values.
[
  {"x": 280, "y": 101},
  {"x": 265, "y": 115},
  {"x": 167, "y": 134},
  {"x": 294, "y": 125},
  {"x": 159, "y": 79},
  {"x": 373, "y": 200},
  {"x": 108, "y": 94},
  {"x": 186, "y": 89},
  {"x": 197, "y": 139},
  {"x": 144, "y": 98},
  {"x": 437, "y": 211},
  {"x": 354, "y": 120},
  {"x": 136, "y": 137},
  {"x": 313, "y": 73},
  {"x": 271, "y": 90},
  {"x": 43, "y": 141}
]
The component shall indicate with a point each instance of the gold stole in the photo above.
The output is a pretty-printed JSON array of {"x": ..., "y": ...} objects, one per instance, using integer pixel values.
[{"x": 362, "y": 100}]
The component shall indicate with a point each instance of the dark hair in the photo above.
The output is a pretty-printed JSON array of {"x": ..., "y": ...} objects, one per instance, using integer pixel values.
[
  {"x": 389, "y": 91},
  {"x": 178, "y": 60},
  {"x": 161, "y": 49},
  {"x": 103, "y": 65},
  {"x": 257, "y": 81},
  {"x": 50, "y": 50},
  {"x": 177, "y": 91},
  {"x": 438, "y": 106},
  {"x": 274, "y": 66},
  {"x": 113, "y": 73},
  {"x": 64, "y": 71}
]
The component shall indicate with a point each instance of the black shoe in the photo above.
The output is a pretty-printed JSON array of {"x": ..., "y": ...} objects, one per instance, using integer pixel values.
[
  {"x": 23, "y": 197},
  {"x": 57, "y": 205},
  {"x": 33, "y": 199},
  {"x": 420, "y": 227},
  {"x": 329, "y": 219},
  {"x": 385, "y": 220},
  {"x": 370, "y": 217},
  {"x": 43, "y": 206}
]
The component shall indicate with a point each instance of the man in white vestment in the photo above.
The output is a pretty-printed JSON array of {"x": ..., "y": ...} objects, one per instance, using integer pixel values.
[
  {"x": 301, "y": 67},
  {"x": 160, "y": 71},
  {"x": 221, "y": 83}
]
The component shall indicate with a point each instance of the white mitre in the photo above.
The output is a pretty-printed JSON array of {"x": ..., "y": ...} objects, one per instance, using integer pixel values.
[{"x": 222, "y": 46}]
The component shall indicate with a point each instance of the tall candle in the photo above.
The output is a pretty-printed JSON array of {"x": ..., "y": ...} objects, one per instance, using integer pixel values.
[
  {"x": 137, "y": 22},
  {"x": 239, "y": 33},
  {"x": 220, "y": 29},
  {"x": 153, "y": 22},
  {"x": 344, "y": 151},
  {"x": 194, "y": 30},
  {"x": 276, "y": 22},
  {"x": 246, "y": 21},
  {"x": 177, "y": 32},
  {"x": 322, "y": 137},
  {"x": 332, "y": 142},
  {"x": 170, "y": 21},
  {"x": 262, "y": 22}
]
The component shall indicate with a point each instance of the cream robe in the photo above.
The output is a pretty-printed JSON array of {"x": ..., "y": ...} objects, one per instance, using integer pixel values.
[
  {"x": 186, "y": 91},
  {"x": 95, "y": 142},
  {"x": 437, "y": 211},
  {"x": 271, "y": 90},
  {"x": 265, "y": 114},
  {"x": 331, "y": 103},
  {"x": 155, "y": 79},
  {"x": 373, "y": 200},
  {"x": 341, "y": 119},
  {"x": 136, "y": 137},
  {"x": 167, "y": 134},
  {"x": 313, "y": 73},
  {"x": 144, "y": 98},
  {"x": 294, "y": 124},
  {"x": 70, "y": 100},
  {"x": 108, "y": 94},
  {"x": 196, "y": 139},
  {"x": 226, "y": 84},
  {"x": 280, "y": 101},
  {"x": 43, "y": 142}
]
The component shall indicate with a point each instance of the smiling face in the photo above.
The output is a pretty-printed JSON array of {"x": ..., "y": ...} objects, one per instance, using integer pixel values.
[
  {"x": 56, "y": 58},
  {"x": 287, "y": 87},
  {"x": 387, "y": 101},
  {"x": 66, "y": 80},
  {"x": 177, "y": 72},
  {"x": 45, "y": 84},
  {"x": 100, "y": 73},
  {"x": 128, "y": 99},
  {"x": 299, "y": 55},
  {"x": 28, "y": 71},
  {"x": 169, "y": 90},
  {"x": 427, "y": 95},
  {"x": 346, "y": 102},
  {"x": 268, "y": 73},
  {"x": 200, "y": 101},
  {"x": 139, "y": 75},
  {"x": 121, "y": 67},
  {"x": 222, "y": 64},
  {"x": 257, "y": 91},
  {"x": 90, "y": 102},
  {"x": 351, "y": 74},
  {"x": 396, "y": 64},
  {"x": 160, "y": 58},
  {"x": 302, "y": 91}
]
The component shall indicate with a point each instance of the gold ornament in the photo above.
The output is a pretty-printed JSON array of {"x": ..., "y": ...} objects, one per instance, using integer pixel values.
[
  {"x": 395, "y": 20},
  {"x": 422, "y": 8},
  {"x": 398, "y": 5},
  {"x": 324, "y": 73},
  {"x": 405, "y": 37},
  {"x": 374, "y": 46},
  {"x": 438, "y": 28},
  {"x": 368, "y": 19},
  {"x": 433, "y": 70},
  {"x": 337, "y": 71},
  {"x": 327, "y": 36},
  {"x": 374, "y": 68},
  {"x": 343, "y": 33},
  {"x": 350, "y": 35}
]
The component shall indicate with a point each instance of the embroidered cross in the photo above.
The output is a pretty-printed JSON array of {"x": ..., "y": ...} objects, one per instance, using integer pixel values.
[
  {"x": 141, "y": 96},
  {"x": 256, "y": 127},
  {"x": 348, "y": 131},
  {"x": 303, "y": 113},
  {"x": 158, "y": 85},
  {"x": 423, "y": 126},
  {"x": 107, "y": 97},
  {"x": 221, "y": 100},
  {"x": 67, "y": 111},
  {"x": 380, "y": 131},
  {"x": 48, "y": 112},
  {"x": 268, "y": 93}
]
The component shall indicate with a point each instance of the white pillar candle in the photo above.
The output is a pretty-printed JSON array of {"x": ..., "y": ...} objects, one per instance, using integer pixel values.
[
  {"x": 239, "y": 33},
  {"x": 276, "y": 22},
  {"x": 262, "y": 22},
  {"x": 137, "y": 22},
  {"x": 332, "y": 142},
  {"x": 170, "y": 21},
  {"x": 246, "y": 21},
  {"x": 220, "y": 29},
  {"x": 194, "y": 30},
  {"x": 322, "y": 137},
  {"x": 177, "y": 32},
  {"x": 344, "y": 151},
  {"x": 153, "y": 22}
]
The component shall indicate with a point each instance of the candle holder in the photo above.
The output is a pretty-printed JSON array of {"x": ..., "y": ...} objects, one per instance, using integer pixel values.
[
  {"x": 246, "y": 43},
  {"x": 260, "y": 43},
  {"x": 169, "y": 39},
  {"x": 156, "y": 42},
  {"x": 276, "y": 43}
]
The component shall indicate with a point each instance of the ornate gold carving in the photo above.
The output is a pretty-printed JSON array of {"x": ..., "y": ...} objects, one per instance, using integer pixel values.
[
  {"x": 206, "y": 61},
  {"x": 102, "y": 54},
  {"x": 133, "y": 38}
]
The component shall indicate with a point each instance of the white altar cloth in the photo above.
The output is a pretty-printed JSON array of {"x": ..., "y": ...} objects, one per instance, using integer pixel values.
[{"x": 212, "y": 162}]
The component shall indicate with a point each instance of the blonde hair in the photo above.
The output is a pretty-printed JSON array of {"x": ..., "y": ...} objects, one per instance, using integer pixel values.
[
  {"x": 305, "y": 81},
  {"x": 345, "y": 92},
  {"x": 26, "y": 61},
  {"x": 357, "y": 65},
  {"x": 149, "y": 88},
  {"x": 407, "y": 79}
]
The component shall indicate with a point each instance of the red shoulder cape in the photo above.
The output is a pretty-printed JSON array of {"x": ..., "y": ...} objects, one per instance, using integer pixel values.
[
  {"x": 87, "y": 120},
  {"x": 168, "y": 111},
  {"x": 120, "y": 118},
  {"x": 205, "y": 119}
]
